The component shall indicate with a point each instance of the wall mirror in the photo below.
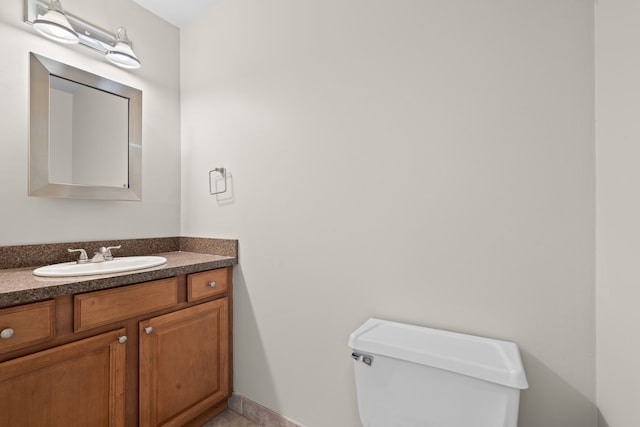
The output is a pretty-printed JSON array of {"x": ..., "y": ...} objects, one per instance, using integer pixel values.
[{"x": 85, "y": 134}]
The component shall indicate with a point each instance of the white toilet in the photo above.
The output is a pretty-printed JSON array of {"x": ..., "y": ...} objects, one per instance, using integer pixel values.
[{"x": 410, "y": 376}]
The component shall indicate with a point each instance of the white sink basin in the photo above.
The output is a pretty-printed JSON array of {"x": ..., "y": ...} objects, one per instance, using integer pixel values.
[{"x": 117, "y": 265}]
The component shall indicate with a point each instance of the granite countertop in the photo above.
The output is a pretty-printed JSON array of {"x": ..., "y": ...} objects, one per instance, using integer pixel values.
[{"x": 19, "y": 285}]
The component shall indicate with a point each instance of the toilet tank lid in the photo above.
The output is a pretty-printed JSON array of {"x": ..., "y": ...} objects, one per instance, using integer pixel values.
[{"x": 483, "y": 358}]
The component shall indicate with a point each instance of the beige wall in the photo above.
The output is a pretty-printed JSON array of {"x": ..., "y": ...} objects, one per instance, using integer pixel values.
[
  {"x": 618, "y": 211},
  {"x": 36, "y": 220},
  {"x": 428, "y": 162}
]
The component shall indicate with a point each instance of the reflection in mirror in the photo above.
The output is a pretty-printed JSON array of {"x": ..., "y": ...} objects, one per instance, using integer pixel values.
[
  {"x": 85, "y": 134},
  {"x": 88, "y": 142}
]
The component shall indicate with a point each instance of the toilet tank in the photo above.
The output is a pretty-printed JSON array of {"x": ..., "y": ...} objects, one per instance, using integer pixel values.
[{"x": 412, "y": 376}]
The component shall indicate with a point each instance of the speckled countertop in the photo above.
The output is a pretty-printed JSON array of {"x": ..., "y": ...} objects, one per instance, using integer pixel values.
[{"x": 19, "y": 285}]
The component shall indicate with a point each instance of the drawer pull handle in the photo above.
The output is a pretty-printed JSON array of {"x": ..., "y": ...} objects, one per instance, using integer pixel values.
[
  {"x": 212, "y": 284},
  {"x": 122, "y": 339},
  {"x": 148, "y": 330},
  {"x": 6, "y": 333}
]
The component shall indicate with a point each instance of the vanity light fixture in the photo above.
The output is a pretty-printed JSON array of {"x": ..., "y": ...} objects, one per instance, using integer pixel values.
[
  {"x": 55, "y": 25},
  {"x": 53, "y": 22},
  {"x": 122, "y": 54}
]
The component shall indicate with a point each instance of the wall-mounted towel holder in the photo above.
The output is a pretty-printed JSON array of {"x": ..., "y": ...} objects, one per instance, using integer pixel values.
[{"x": 223, "y": 172}]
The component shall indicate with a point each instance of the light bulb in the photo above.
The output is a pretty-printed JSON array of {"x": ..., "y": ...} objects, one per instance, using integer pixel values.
[
  {"x": 122, "y": 54},
  {"x": 55, "y": 26}
]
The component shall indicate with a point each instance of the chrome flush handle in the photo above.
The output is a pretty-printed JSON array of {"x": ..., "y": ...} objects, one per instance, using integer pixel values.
[{"x": 364, "y": 358}]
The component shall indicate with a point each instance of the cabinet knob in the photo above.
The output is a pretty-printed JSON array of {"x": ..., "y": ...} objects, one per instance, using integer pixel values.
[
  {"x": 212, "y": 284},
  {"x": 122, "y": 339},
  {"x": 6, "y": 333},
  {"x": 148, "y": 330}
]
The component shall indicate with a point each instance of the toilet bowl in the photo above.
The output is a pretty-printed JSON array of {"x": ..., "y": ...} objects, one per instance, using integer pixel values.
[{"x": 411, "y": 376}]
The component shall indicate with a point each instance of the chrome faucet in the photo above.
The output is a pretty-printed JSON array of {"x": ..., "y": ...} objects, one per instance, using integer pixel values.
[
  {"x": 107, "y": 253},
  {"x": 104, "y": 254},
  {"x": 83, "y": 255},
  {"x": 99, "y": 256}
]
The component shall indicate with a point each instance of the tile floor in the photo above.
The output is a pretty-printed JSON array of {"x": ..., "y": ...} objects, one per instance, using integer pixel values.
[{"x": 229, "y": 418}]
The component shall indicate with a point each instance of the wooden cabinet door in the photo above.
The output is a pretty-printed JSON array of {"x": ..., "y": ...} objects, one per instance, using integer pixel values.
[
  {"x": 184, "y": 363},
  {"x": 78, "y": 384}
]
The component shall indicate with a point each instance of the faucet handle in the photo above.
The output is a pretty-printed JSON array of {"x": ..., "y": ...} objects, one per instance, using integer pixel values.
[
  {"x": 107, "y": 252},
  {"x": 83, "y": 255}
]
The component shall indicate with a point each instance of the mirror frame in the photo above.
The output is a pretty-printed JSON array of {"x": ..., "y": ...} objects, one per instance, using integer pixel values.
[{"x": 41, "y": 68}]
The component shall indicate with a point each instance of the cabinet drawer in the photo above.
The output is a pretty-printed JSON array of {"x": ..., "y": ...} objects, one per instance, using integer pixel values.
[
  {"x": 207, "y": 284},
  {"x": 27, "y": 325},
  {"x": 103, "y": 307}
]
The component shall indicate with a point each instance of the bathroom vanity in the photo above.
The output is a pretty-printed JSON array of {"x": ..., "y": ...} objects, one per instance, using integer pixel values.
[{"x": 144, "y": 348}]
